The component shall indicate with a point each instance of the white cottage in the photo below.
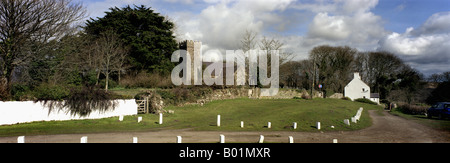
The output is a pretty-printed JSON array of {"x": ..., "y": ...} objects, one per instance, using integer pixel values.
[{"x": 358, "y": 89}]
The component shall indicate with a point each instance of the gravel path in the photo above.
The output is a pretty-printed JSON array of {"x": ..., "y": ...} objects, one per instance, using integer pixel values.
[{"x": 385, "y": 129}]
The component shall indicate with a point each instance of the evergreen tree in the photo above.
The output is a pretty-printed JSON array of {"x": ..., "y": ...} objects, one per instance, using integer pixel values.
[{"x": 148, "y": 34}]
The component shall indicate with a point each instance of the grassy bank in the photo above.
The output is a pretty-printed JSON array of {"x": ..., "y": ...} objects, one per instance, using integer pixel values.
[{"x": 254, "y": 112}]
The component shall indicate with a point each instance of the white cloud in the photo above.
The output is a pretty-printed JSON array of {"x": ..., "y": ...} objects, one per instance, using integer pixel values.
[
  {"x": 406, "y": 45},
  {"x": 425, "y": 48},
  {"x": 349, "y": 23},
  {"x": 430, "y": 37},
  {"x": 222, "y": 23},
  {"x": 329, "y": 27},
  {"x": 437, "y": 24}
]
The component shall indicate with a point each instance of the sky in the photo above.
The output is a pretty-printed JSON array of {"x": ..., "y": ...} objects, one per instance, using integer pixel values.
[{"x": 417, "y": 31}]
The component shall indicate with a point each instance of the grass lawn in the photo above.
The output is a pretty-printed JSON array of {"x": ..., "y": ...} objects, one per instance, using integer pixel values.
[{"x": 254, "y": 112}]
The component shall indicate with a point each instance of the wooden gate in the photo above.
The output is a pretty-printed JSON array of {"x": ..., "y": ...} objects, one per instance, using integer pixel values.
[{"x": 142, "y": 106}]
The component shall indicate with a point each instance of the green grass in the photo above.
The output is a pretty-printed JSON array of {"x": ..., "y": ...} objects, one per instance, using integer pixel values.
[
  {"x": 254, "y": 112},
  {"x": 129, "y": 93}
]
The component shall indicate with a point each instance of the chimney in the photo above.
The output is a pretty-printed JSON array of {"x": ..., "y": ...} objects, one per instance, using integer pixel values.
[{"x": 356, "y": 75}]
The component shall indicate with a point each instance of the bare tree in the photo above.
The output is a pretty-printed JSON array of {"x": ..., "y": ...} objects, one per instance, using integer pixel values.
[
  {"x": 25, "y": 21},
  {"x": 248, "y": 41},
  {"x": 111, "y": 53}
]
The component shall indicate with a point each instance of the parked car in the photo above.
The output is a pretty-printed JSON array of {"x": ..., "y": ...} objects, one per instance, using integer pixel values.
[{"x": 440, "y": 110}]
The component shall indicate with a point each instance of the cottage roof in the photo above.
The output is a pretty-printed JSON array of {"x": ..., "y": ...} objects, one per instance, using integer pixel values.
[{"x": 374, "y": 95}]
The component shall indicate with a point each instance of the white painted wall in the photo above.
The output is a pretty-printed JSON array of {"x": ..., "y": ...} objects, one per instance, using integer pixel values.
[
  {"x": 376, "y": 100},
  {"x": 12, "y": 112},
  {"x": 357, "y": 88}
]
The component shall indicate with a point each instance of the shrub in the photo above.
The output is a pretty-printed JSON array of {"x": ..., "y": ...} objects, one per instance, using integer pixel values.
[
  {"x": 20, "y": 92},
  {"x": 346, "y": 98},
  {"x": 365, "y": 100},
  {"x": 111, "y": 83},
  {"x": 412, "y": 109},
  {"x": 47, "y": 91},
  {"x": 82, "y": 101},
  {"x": 305, "y": 96},
  {"x": 146, "y": 80},
  {"x": 87, "y": 99}
]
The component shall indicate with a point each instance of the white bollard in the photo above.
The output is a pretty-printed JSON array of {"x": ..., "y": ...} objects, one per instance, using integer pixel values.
[
  {"x": 178, "y": 139},
  {"x": 160, "y": 118},
  {"x": 354, "y": 119},
  {"x": 291, "y": 139},
  {"x": 21, "y": 139},
  {"x": 139, "y": 119},
  {"x": 295, "y": 125},
  {"x": 335, "y": 141},
  {"x": 218, "y": 120},
  {"x": 242, "y": 124},
  {"x": 269, "y": 125},
  {"x": 347, "y": 122},
  {"x": 121, "y": 118},
  {"x": 135, "y": 140},
  {"x": 261, "y": 139},
  {"x": 222, "y": 138},
  {"x": 318, "y": 125},
  {"x": 84, "y": 139}
]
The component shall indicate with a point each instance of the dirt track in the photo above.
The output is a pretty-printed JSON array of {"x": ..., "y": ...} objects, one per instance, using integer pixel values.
[{"x": 385, "y": 129}]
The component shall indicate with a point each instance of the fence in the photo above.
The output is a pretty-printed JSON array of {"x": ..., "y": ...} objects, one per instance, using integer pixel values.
[{"x": 12, "y": 112}]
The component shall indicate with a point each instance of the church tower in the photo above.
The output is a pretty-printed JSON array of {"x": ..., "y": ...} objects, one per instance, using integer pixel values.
[{"x": 194, "y": 48}]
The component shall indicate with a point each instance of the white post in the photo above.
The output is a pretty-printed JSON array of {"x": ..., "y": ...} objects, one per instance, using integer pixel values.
[
  {"x": 318, "y": 125},
  {"x": 295, "y": 125},
  {"x": 354, "y": 119},
  {"x": 218, "y": 120},
  {"x": 261, "y": 139},
  {"x": 135, "y": 140},
  {"x": 347, "y": 122},
  {"x": 335, "y": 141},
  {"x": 222, "y": 138},
  {"x": 178, "y": 139},
  {"x": 269, "y": 125},
  {"x": 21, "y": 139},
  {"x": 84, "y": 139},
  {"x": 121, "y": 118},
  {"x": 242, "y": 124},
  {"x": 291, "y": 139},
  {"x": 139, "y": 119},
  {"x": 160, "y": 118}
]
